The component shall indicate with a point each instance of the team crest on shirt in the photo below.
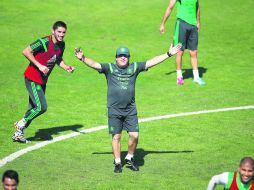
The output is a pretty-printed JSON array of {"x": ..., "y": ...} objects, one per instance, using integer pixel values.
[
  {"x": 111, "y": 128},
  {"x": 129, "y": 71},
  {"x": 52, "y": 59}
]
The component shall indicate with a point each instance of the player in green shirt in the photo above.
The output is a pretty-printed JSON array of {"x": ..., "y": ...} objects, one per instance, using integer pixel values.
[
  {"x": 243, "y": 179},
  {"x": 122, "y": 113},
  {"x": 186, "y": 32}
]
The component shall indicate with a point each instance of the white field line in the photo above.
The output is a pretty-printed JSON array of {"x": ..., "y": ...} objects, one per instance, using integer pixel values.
[{"x": 21, "y": 152}]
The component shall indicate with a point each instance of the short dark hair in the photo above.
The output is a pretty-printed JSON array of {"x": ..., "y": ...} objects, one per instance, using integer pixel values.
[
  {"x": 59, "y": 24},
  {"x": 12, "y": 175}
]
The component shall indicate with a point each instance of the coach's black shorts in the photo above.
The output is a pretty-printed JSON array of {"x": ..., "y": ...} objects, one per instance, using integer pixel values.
[
  {"x": 186, "y": 34},
  {"x": 122, "y": 121}
]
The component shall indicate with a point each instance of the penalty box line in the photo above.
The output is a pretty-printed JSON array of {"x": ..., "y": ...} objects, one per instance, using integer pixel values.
[{"x": 21, "y": 152}]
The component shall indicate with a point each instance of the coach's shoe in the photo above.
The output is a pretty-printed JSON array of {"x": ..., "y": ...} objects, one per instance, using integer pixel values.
[
  {"x": 131, "y": 164},
  {"x": 179, "y": 80},
  {"x": 118, "y": 168},
  {"x": 19, "y": 137},
  {"x": 199, "y": 81}
]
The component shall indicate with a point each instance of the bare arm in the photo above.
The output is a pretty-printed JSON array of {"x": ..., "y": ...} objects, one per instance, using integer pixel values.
[
  {"x": 167, "y": 14},
  {"x": 68, "y": 68},
  {"x": 221, "y": 179},
  {"x": 89, "y": 62},
  {"x": 198, "y": 16},
  {"x": 28, "y": 53},
  {"x": 158, "y": 59}
]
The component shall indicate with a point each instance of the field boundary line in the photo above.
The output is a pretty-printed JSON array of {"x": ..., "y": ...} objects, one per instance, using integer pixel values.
[{"x": 36, "y": 146}]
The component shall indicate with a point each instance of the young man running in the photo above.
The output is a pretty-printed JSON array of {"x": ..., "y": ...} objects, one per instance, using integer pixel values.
[{"x": 43, "y": 54}]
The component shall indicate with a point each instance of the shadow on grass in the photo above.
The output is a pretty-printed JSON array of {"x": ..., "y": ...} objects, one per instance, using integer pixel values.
[
  {"x": 46, "y": 134},
  {"x": 187, "y": 73},
  {"x": 141, "y": 153}
]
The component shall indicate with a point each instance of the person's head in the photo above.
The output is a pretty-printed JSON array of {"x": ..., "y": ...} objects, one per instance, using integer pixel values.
[
  {"x": 10, "y": 180},
  {"x": 58, "y": 31},
  {"x": 122, "y": 57},
  {"x": 246, "y": 169}
]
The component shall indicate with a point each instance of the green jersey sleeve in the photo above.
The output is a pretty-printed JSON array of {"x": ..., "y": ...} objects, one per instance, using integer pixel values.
[
  {"x": 40, "y": 45},
  {"x": 106, "y": 68},
  {"x": 141, "y": 66}
]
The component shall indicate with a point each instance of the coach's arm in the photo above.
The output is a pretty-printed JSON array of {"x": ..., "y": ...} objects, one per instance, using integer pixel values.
[
  {"x": 158, "y": 59},
  {"x": 89, "y": 62}
]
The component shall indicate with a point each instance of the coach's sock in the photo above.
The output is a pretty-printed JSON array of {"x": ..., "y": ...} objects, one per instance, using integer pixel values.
[
  {"x": 195, "y": 74},
  {"x": 118, "y": 161},
  {"x": 179, "y": 73},
  {"x": 129, "y": 156}
]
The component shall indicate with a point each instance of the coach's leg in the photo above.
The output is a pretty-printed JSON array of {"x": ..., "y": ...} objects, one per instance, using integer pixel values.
[
  {"x": 132, "y": 143},
  {"x": 115, "y": 129},
  {"x": 116, "y": 146}
]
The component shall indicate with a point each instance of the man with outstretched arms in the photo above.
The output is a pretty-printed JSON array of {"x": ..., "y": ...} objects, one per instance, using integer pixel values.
[
  {"x": 122, "y": 113},
  {"x": 43, "y": 54},
  {"x": 241, "y": 180},
  {"x": 186, "y": 32}
]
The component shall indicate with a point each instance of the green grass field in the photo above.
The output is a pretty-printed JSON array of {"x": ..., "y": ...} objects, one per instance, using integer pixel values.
[{"x": 178, "y": 153}]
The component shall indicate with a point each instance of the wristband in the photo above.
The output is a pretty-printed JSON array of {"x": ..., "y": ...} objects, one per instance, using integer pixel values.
[
  {"x": 82, "y": 58},
  {"x": 169, "y": 54}
]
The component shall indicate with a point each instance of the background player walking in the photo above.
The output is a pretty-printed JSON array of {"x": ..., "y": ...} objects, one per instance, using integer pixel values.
[{"x": 186, "y": 32}]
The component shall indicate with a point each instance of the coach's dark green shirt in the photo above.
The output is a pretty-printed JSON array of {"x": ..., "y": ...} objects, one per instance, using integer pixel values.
[{"x": 121, "y": 83}]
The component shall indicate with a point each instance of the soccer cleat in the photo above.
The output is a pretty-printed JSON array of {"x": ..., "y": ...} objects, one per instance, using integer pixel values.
[
  {"x": 19, "y": 137},
  {"x": 131, "y": 164},
  {"x": 179, "y": 80},
  {"x": 199, "y": 81},
  {"x": 118, "y": 168}
]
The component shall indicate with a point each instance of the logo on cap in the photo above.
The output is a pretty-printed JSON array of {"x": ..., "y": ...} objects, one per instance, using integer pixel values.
[{"x": 123, "y": 51}]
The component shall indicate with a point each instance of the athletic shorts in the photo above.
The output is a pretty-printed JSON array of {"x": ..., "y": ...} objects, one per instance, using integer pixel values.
[
  {"x": 122, "y": 121},
  {"x": 186, "y": 34}
]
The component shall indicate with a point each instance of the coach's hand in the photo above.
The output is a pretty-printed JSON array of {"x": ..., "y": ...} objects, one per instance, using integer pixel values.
[
  {"x": 79, "y": 54},
  {"x": 175, "y": 49}
]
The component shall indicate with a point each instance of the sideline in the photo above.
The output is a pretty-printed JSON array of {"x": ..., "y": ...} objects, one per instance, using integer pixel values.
[{"x": 21, "y": 152}]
